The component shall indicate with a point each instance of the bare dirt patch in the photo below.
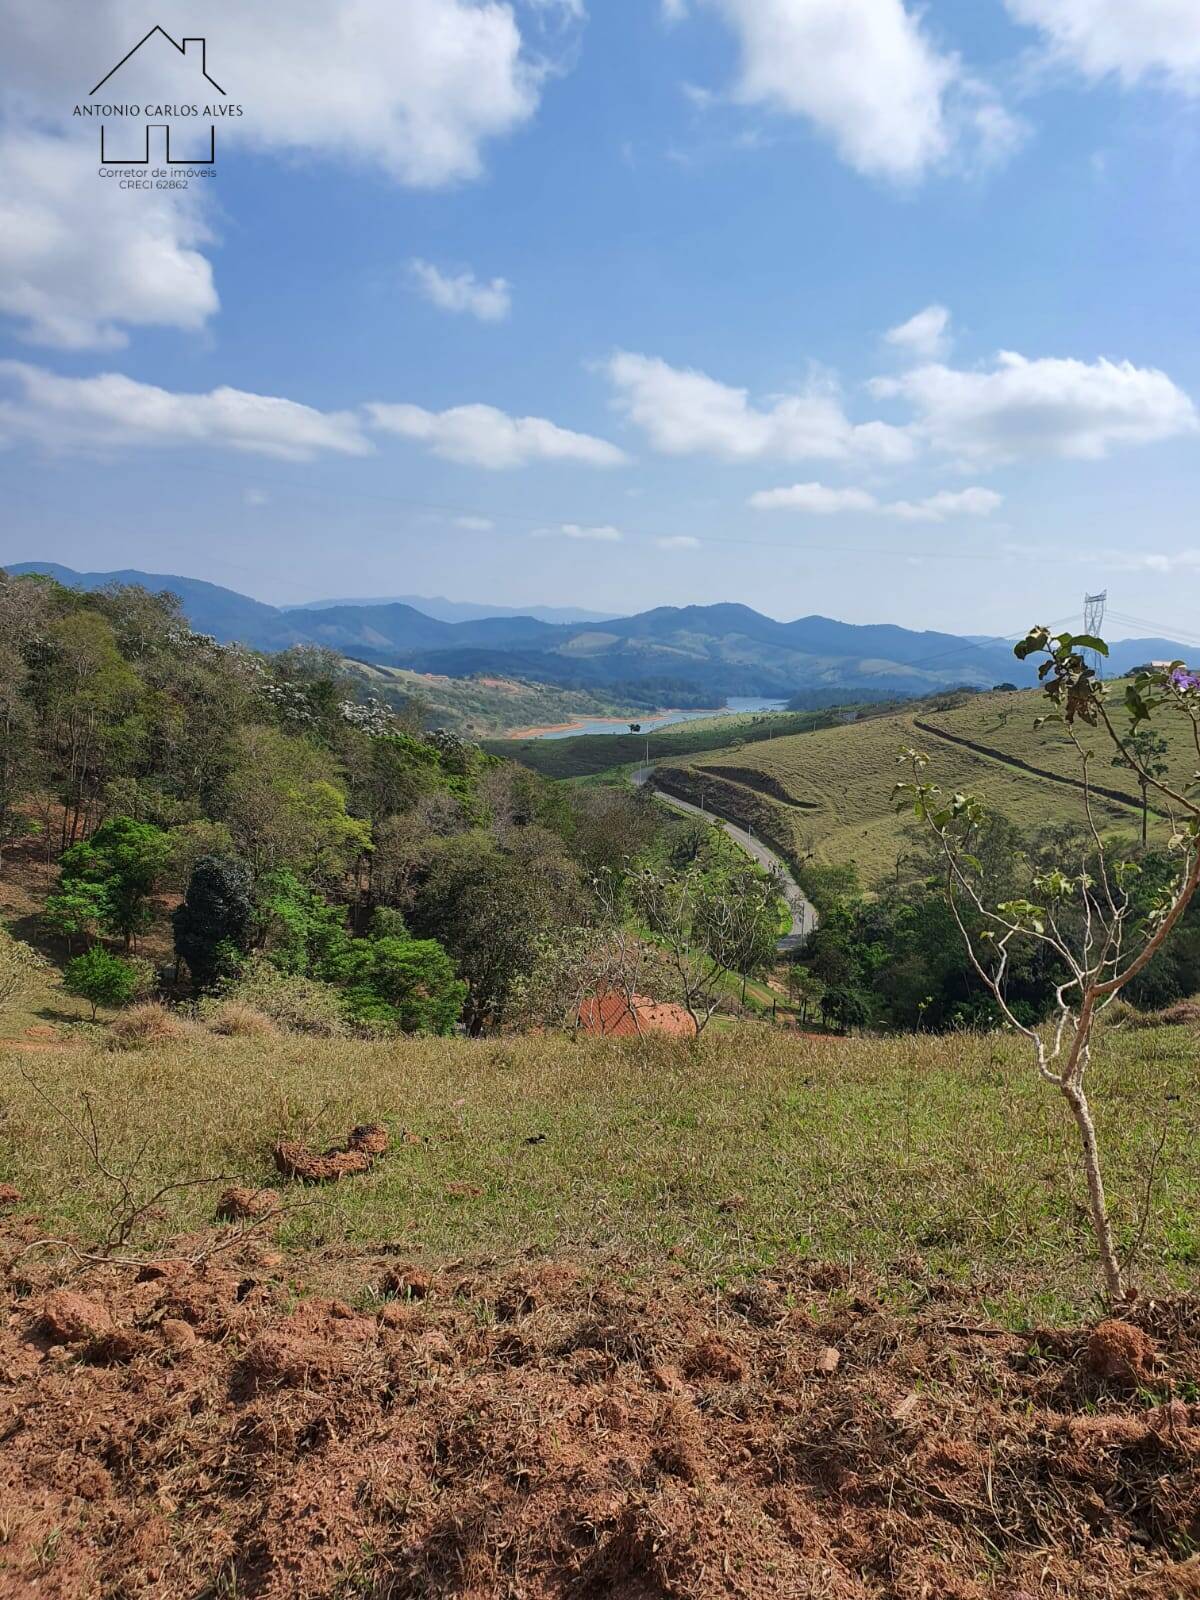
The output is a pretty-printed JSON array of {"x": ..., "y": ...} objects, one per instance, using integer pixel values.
[{"x": 545, "y": 1430}]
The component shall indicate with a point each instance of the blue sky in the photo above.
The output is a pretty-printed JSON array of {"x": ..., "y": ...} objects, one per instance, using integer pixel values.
[{"x": 820, "y": 305}]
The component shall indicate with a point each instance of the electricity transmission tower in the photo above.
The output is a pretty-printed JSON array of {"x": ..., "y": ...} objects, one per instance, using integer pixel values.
[{"x": 1093, "y": 623}]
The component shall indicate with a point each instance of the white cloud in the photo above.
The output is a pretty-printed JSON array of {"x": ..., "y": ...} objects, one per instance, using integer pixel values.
[
  {"x": 870, "y": 77},
  {"x": 418, "y": 88},
  {"x": 111, "y": 411},
  {"x": 945, "y": 504},
  {"x": 678, "y": 541},
  {"x": 80, "y": 262},
  {"x": 1130, "y": 39},
  {"x": 926, "y": 335},
  {"x": 490, "y": 302},
  {"x": 685, "y": 412},
  {"x": 415, "y": 87},
  {"x": 482, "y": 436},
  {"x": 820, "y": 499},
  {"x": 1161, "y": 563},
  {"x": 606, "y": 534},
  {"x": 1020, "y": 407},
  {"x": 474, "y": 524}
]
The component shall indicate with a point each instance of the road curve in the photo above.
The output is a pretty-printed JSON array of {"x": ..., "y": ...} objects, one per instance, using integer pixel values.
[{"x": 804, "y": 914}]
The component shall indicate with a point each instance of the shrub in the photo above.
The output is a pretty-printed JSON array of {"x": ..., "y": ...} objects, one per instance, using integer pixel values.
[
  {"x": 145, "y": 1025},
  {"x": 1181, "y": 1014},
  {"x": 236, "y": 1020},
  {"x": 103, "y": 979},
  {"x": 212, "y": 926},
  {"x": 407, "y": 985},
  {"x": 299, "y": 1005},
  {"x": 20, "y": 967},
  {"x": 123, "y": 859}
]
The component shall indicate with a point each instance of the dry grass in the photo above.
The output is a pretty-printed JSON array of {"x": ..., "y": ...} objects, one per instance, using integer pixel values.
[
  {"x": 841, "y": 779},
  {"x": 736, "y": 1153},
  {"x": 234, "y": 1019},
  {"x": 145, "y": 1025}
]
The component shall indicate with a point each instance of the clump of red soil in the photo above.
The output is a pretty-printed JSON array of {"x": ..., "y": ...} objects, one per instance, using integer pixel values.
[
  {"x": 573, "y": 1432},
  {"x": 9, "y": 1196},
  {"x": 614, "y": 1016},
  {"x": 364, "y": 1144},
  {"x": 242, "y": 1204},
  {"x": 70, "y": 1318},
  {"x": 1121, "y": 1353},
  {"x": 371, "y": 1138}
]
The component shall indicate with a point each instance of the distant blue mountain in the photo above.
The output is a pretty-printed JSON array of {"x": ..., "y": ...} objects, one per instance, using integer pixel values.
[
  {"x": 443, "y": 610},
  {"x": 685, "y": 654}
]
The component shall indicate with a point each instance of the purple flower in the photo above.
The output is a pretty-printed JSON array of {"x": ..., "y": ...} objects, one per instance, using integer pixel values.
[{"x": 1185, "y": 681}]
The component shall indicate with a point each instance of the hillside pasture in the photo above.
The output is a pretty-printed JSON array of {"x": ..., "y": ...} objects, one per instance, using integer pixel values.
[
  {"x": 731, "y": 1154},
  {"x": 838, "y": 782}
]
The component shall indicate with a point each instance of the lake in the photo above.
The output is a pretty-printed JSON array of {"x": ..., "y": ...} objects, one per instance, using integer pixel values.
[{"x": 663, "y": 719}]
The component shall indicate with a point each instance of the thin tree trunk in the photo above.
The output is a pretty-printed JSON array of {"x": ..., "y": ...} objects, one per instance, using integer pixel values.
[{"x": 1097, "y": 1202}]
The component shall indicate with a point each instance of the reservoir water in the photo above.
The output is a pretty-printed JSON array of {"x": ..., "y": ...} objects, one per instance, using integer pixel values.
[{"x": 664, "y": 719}]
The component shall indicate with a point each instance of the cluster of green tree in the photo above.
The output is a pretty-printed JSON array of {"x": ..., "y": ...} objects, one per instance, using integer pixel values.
[
  {"x": 898, "y": 960},
  {"x": 417, "y": 878}
]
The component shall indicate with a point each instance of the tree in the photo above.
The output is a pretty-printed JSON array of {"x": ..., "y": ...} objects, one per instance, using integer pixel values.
[
  {"x": 574, "y": 965},
  {"x": 124, "y": 859},
  {"x": 102, "y": 979},
  {"x": 407, "y": 983},
  {"x": 19, "y": 759},
  {"x": 85, "y": 695},
  {"x": 489, "y": 905},
  {"x": 693, "y": 917},
  {"x": 805, "y": 988},
  {"x": 738, "y": 922},
  {"x": 286, "y": 807},
  {"x": 215, "y": 920},
  {"x": 79, "y": 910},
  {"x": 1148, "y": 749},
  {"x": 1083, "y": 912}
]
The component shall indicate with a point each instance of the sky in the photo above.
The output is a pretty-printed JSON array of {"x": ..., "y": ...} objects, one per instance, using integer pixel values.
[{"x": 859, "y": 307}]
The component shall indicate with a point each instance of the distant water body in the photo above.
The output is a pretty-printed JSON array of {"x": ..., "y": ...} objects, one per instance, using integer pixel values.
[{"x": 649, "y": 724}]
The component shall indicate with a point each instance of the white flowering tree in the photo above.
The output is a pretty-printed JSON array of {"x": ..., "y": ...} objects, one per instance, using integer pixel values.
[{"x": 1084, "y": 913}]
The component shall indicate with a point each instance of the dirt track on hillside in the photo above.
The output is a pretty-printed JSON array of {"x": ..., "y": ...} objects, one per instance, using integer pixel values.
[{"x": 545, "y": 1429}]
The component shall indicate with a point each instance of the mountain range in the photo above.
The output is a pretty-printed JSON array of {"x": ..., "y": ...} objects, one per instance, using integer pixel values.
[
  {"x": 696, "y": 655},
  {"x": 443, "y": 610}
]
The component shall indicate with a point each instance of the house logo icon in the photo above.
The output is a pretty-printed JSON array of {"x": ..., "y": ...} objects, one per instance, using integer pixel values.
[{"x": 174, "y": 110}]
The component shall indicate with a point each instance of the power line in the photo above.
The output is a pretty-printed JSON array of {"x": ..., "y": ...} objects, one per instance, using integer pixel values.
[{"x": 1163, "y": 630}]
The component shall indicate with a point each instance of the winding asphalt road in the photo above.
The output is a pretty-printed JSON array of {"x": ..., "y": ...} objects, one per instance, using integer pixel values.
[{"x": 804, "y": 914}]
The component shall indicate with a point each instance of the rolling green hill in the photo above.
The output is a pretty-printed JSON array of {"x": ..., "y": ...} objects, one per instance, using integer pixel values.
[{"x": 827, "y": 794}]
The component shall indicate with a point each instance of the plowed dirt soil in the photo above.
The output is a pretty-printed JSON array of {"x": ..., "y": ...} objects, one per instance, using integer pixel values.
[{"x": 542, "y": 1428}]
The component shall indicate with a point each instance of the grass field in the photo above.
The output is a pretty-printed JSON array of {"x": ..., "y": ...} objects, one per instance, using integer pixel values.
[
  {"x": 839, "y": 781},
  {"x": 734, "y": 1154}
]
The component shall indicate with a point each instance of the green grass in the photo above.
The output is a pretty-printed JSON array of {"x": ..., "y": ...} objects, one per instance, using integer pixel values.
[
  {"x": 839, "y": 781},
  {"x": 592, "y": 754},
  {"x": 877, "y": 1150}
]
